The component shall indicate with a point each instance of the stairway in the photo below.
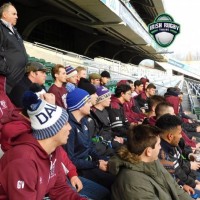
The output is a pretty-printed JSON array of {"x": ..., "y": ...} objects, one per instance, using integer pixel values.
[{"x": 186, "y": 102}]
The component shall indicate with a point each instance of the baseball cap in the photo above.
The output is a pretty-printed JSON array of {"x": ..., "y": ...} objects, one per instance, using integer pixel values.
[{"x": 35, "y": 66}]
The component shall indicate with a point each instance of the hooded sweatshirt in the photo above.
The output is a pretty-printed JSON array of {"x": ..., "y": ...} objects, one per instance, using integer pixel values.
[
  {"x": 28, "y": 172},
  {"x": 5, "y": 103}
]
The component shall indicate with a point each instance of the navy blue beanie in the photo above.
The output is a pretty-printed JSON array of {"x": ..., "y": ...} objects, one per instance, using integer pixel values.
[{"x": 76, "y": 99}]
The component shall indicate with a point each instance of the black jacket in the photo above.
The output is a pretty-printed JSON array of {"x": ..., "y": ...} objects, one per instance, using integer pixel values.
[
  {"x": 171, "y": 158},
  {"x": 18, "y": 90},
  {"x": 12, "y": 55},
  {"x": 99, "y": 126},
  {"x": 119, "y": 122}
]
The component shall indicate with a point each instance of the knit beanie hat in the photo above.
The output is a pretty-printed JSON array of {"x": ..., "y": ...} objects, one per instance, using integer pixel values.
[
  {"x": 46, "y": 119},
  {"x": 103, "y": 94},
  {"x": 86, "y": 85},
  {"x": 70, "y": 71},
  {"x": 76, "y": 99},
  {"x": 105, "y": 74}
]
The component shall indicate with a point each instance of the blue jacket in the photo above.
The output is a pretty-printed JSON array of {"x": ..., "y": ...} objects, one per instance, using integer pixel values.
[{"x": 79, "y": 146}]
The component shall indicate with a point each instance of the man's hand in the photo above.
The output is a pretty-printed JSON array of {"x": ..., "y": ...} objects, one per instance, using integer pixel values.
[
  {"x": 188, "y": 189},
  {"x": 103, "y": 165},
  {"x": 48, "y": 97},
  {"x": 76, "y": 183},
  {"x": 119, "y": 139},
  {"x": 197, "y": 185},
  {"x": 194, "y": 165},
  {"x": 198, "y": 129}
]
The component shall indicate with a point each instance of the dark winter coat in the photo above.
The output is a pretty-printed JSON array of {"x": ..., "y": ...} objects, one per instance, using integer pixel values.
[
  {"x": 143, "y": 181},
  {"x": 12, "y": 55}
]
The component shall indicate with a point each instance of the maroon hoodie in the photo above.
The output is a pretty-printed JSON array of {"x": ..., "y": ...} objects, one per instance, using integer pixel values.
[
  {"x": 174, "y": 100},
  {"x": 130, "y": 114},
  {"x": 5, "y": 103},
  {"x": 13, "y": 124},
  {"x": 152, "y": 120},
  {"x": 28, "y": 172}
]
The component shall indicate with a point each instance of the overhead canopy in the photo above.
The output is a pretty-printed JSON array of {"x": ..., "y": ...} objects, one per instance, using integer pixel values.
[{"x": 121, "y": 22}]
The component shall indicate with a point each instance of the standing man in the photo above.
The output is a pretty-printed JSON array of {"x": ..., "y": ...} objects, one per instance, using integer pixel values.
[{"x": 13, "y": 56}]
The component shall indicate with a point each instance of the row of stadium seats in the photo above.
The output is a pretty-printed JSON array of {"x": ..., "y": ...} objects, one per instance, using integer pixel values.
[
  {"x": 49, "y": 80},
  {"x": 195, "y": 109}
]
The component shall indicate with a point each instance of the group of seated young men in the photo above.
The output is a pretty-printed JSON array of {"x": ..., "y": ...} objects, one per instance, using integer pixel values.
[{"x": 77, "y": 141}]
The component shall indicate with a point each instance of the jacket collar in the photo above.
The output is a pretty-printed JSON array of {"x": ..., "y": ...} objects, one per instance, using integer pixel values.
[{"x": 168, "y": 148}]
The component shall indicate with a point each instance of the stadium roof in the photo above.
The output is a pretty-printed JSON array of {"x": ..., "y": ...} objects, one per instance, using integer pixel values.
[{"x": 116, "y": 21}]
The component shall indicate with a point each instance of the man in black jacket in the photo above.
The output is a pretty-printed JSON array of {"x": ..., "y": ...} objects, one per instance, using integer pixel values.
[
  {"x": 170, "y": 154},
  {"x": 13, "y": 56},
  {"x": 35, "y": 72},
  {"x": 119, "y": 122}
]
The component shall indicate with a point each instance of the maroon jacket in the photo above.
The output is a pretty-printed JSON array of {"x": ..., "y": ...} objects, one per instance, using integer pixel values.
[
  {"x": 5, "y": 103},
  {"x": 28, "y": 172},
  {"x": 130, "y": 114},
  {"x": 174, "y": 100},
  {"x": 14, "y": 124}
]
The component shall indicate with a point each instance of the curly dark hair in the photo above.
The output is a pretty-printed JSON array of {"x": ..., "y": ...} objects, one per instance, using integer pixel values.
[{"x": 168, "y": 122}]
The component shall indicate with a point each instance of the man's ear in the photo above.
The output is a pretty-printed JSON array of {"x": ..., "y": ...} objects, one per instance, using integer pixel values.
[
  {"x": 31, "y": 73},
  {"x": 170, "y": 136},
  {"x": 153, "y": 108},
  {"x": 148, "y": 151}
]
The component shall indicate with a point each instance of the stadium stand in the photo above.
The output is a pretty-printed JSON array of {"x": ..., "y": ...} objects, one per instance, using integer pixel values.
[
  {"x": 194, "y": 96},
  {"x": 49, "y": 55}
]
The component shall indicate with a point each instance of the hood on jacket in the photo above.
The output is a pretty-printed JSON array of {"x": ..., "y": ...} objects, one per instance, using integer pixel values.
[
  {"x": 115, "y": 102},
  {"x": 11, "y": 131},
  {"x": 116, "y": 163},
  {"x": 174, "y": 100},
  {"x": 172, "y": 91},
  {"x": 13, "y": 125},
  {"x": 152, "y": 120},
  {"x": 28, "y": 139}
]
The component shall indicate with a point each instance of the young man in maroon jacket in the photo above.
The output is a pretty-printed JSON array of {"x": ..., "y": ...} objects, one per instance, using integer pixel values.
[
  {"x": 32, "y": 167},
  {"x": 58, "y": 89}
]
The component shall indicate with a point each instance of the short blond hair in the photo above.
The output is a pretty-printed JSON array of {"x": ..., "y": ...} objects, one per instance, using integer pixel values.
[{"x": 80, "y": 68}]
